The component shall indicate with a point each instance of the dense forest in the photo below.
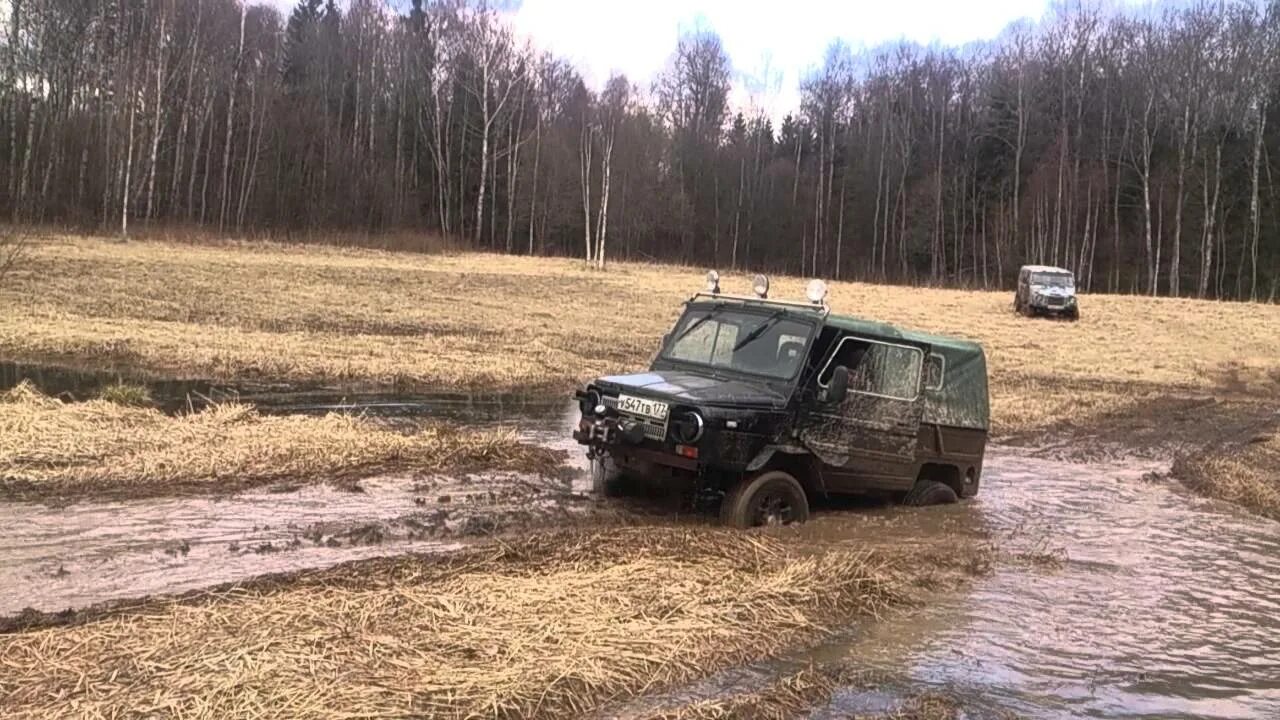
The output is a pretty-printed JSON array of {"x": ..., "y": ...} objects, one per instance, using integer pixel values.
[{"x": 1139, "y": 148}]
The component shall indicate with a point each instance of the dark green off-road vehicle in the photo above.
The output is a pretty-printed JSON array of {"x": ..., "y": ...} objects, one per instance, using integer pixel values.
[{"x": 769, "y": 403}]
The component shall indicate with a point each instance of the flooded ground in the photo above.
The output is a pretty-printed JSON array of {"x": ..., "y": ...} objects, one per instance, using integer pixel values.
[
  {"x": 1155, "y": 603},
  {"x": 1167, "y": 604},
  {"x": 1163, "y": 604}
]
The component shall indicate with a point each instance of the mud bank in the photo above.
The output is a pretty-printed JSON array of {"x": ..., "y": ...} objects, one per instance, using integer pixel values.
[
  {"x": 66, "y": 451},
  {"x": 1244, "y": 469}
]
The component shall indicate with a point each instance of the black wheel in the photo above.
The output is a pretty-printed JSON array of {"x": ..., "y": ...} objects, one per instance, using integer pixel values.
[
  {"x": 1073, "y": 314},
  {"x": 770, "y": 498},
  {"x": 930, "y": 492},
  {"x": 606, "y": 479}
]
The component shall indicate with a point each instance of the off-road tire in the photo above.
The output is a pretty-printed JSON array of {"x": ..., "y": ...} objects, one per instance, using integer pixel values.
[
  {"x": 1073, "y": 314},
  {"x": 930, "y": 492},
  {"x": 757, "y": 496},
  {"x": 606, "y": 478}
]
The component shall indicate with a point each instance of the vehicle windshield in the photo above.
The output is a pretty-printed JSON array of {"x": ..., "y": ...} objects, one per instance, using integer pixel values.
[
  {"x": 1062, "y": 280},
  {"x": 751, "y": 342}
]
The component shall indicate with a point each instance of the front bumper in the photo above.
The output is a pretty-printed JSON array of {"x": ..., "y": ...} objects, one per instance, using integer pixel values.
[{"x": 625, "y": 442}]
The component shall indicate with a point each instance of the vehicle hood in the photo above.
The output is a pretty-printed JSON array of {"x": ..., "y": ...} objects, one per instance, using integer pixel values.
[
  {"x": 1051, "y": 291},
  {"x": 696, "y": 389}
]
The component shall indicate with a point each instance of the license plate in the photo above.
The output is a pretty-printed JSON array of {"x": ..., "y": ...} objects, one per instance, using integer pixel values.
[{"x": 641, "y": 406}]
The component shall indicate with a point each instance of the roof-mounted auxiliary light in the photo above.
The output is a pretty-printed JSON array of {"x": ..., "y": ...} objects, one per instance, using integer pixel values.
[
  {"x": 761, "y": 286},
  {"x": 713, "y": 282},
  {"x": 816, "y": 291}
]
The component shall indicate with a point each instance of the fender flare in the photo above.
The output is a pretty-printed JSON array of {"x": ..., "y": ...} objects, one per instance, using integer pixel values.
[{"x": 767, "y": 453}]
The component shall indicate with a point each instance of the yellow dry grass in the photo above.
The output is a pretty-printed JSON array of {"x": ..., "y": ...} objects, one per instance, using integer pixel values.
[
  {"x": 549, "y": 629},
  {"x": 53, "y": 449},
  {"x": 1245, "y": 473},
  {"x": 243, "y": 311}
]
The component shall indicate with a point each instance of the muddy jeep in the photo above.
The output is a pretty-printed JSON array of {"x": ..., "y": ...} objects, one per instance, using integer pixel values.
[
  {"x": 766, "y": 404},
  {"x": 1044, "y": 290}
]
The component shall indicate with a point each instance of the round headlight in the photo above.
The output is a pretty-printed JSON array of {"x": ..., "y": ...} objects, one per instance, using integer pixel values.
[
  {"x": 688, "y": 428},
  {"x": 713, "y": 282},
  {"x": 761, "y": 286},
  {"x": 816, "y": 291}
]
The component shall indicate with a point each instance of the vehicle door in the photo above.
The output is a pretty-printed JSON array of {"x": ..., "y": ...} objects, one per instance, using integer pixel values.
[{"x": 874, "y": 430}]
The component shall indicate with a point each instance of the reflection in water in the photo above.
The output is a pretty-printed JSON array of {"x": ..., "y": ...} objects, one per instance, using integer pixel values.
[{"x": 1168, "y": 607}]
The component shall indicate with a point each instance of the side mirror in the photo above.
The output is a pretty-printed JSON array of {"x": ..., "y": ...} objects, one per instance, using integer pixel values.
[{"x": 838, "y": 386}]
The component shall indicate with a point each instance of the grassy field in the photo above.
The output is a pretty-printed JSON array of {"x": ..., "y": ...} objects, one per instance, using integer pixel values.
[
  {"x": 239, "y": 312},
  {"x": 50, "y": 449},
  {"x": 550, "y": 628}
]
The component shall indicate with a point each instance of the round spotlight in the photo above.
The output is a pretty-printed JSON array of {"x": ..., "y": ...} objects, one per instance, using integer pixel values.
[
  {"x": 592, "y": 403},
  {"x": 761, "y": 286},
  {"x": 816, "y": 291},
  {"x": 713, "y": 282}
]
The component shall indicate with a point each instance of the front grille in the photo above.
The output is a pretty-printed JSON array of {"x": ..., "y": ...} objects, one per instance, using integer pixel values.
[
  {"x": 653, "y": 429},
  {"x": 1056, "y": 301}
]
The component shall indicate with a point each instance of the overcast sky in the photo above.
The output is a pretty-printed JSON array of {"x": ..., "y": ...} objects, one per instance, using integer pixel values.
[{"x": 781, "y": 40}]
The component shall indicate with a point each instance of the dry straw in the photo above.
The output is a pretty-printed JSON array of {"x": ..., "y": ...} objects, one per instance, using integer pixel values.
[
  {"x": 53, "y": 449},
  {"x": 551, "y": 628}
]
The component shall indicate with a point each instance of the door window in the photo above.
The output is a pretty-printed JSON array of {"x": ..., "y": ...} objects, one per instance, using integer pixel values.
[{"x": 877, "y": 368}]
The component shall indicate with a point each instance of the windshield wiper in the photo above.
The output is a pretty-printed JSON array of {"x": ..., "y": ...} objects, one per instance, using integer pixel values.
[
  {"x": 698, "y": 323},
  {"x": 760, "y": 330}
]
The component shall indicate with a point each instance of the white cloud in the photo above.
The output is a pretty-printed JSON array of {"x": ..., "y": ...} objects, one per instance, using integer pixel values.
[
  {"x": 786, "y": 36},
  {"x": 789, "y": 37}
]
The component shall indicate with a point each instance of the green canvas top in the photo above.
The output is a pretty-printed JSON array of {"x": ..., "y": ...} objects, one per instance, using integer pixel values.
[{"x": 961, "y": 401}]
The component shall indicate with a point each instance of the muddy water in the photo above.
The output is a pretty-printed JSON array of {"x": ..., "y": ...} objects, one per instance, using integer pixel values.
[
  {"x": 1167, "y": 605},
  {"x": 54, "y": 558},
  {"x": 175, "y": 396}
]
